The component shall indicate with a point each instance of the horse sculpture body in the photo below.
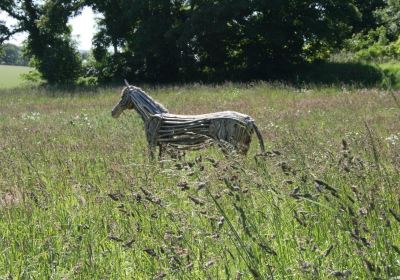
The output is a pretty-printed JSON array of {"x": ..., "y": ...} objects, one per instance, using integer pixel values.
[{"x": 230, "y": 130}]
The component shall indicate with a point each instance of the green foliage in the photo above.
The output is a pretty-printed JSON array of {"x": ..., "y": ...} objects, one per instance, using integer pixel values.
[
  {"x": 52, "y": 51},
  {"x": 389, "y": 16},
  {"x": 163, "y": 41},
  {"x": 368, "y": 19},
  {"x": 381, "y": 43},
  {"x": 349, "y": 73},
  {"x": 143, "y": 40},
  {"x": 58, "y": 62},
  {"x": 12, "y": 55},
  {"x": 189, "y": 40},
  {"x": 33, "y": 76},
  {"x": 380, "y": 53},
  {"x": 392, "y": 72},
  {"x": 49, "y": 43},
  {"x": 375, "y": 46},
  {"x": 87, "y": 81}
]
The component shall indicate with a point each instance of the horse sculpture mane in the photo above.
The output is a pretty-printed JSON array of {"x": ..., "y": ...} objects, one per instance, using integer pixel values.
[{"x": 230, "y": 130}]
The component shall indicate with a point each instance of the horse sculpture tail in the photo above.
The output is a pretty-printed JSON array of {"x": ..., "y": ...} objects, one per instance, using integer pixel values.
[{"x": 260, "y": 138}]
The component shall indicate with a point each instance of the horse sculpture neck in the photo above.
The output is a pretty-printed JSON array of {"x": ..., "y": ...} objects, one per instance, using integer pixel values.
[
  {"x": 231, "y": 130},
  {"x": 144, "y": 104}
]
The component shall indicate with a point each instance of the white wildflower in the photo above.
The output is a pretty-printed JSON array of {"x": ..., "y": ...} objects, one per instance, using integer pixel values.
[
  {"x": 393, "y": 139},
  {"x": 32, "y": 116}
]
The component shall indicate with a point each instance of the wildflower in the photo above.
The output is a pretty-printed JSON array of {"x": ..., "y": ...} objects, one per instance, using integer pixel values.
[
  {"x": 32, "y": 116},
  {"x": 393, "y": 139}
]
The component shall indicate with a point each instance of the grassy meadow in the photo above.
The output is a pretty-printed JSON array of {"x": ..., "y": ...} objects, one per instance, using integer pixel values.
[
  {"x": 10, "y": 75},
  {"x": 79, "y": 198}
]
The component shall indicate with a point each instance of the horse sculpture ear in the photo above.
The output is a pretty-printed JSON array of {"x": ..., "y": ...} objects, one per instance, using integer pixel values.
[{"x": 126, "y": 83}]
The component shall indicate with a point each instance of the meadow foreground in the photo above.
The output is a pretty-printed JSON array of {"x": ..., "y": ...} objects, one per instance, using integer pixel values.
[{"x": 80, "y": 199}]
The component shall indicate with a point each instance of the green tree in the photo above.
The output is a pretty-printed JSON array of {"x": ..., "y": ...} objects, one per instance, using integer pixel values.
[
  {"x": 12, "y": 55},
  {"x": 389, "y": 16},
  {"x": 158, "y": 40},
  {"x": 152, "y": 43},
  {"x": 49, "y": 43},
  {"x": 113, "y": 29},
  {"x": 367, "y": 10},
  {"x": 142, "y": 36},
  {"x": 260, "y": 39},
  {"x": 381, "y": 42}
]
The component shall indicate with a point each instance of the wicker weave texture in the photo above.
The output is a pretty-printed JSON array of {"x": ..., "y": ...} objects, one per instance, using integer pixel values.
[{"x": 230, "y": 130}]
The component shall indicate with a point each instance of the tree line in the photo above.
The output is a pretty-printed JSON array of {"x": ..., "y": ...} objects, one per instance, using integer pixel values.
[
  {"x": 12, "y": 55},
  {"x": 191, "y": 40}
]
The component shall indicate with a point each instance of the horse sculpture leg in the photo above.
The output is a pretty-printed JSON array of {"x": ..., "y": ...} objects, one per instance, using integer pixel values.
[
  {"x": 160, "y": 151},
  {"x": 151, "y": 152},
  {"x": 151, "y": 127}
]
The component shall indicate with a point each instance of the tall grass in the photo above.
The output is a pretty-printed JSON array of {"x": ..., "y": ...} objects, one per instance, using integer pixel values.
[{"x": 79, "y": 198}]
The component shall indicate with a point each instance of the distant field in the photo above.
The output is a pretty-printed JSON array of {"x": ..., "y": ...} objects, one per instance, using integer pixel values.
[
  {"x": 10, "y": 75},
  {"x": 79, "y": 198}
]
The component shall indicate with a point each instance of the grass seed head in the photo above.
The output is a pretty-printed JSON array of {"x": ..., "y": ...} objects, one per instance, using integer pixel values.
[
  {"x": 196, "y": 200},
  {"x": 160, "y": 275},
  {"x": 201, "y": 185},
  {"x": 183, "y": 185},
  {"x": 150, "y": 251}
]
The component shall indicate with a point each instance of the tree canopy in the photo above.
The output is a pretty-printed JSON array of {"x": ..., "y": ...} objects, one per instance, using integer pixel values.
[
  {"x": 12, "y": 55},
  {"x": 49, "y": 43},
  {"x": 187, "y": 40},
  {"x": 156, "y": 40}
]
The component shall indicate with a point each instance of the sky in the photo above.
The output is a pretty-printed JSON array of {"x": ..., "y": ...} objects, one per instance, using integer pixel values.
[{"x": 83, "y": 28}]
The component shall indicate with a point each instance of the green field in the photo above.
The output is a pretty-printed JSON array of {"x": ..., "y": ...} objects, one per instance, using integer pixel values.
[
  {"x": 10, "y": 75},
  {"x": 79, "y": 198}
]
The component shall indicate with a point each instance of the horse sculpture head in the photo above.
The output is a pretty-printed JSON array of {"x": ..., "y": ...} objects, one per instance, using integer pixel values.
[
  {"x": 124, "y": 103},
  {"x": 135, "y": 98}
]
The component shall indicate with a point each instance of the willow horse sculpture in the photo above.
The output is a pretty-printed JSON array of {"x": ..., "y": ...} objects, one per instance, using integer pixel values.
[{"x": 230, "y": 130}]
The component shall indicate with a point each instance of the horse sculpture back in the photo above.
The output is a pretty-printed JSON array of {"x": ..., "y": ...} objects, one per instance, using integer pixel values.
[{"x": 230, "y": 130}]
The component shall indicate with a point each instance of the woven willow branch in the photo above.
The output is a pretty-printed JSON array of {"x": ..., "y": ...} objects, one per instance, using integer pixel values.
[{"x": 230, "y": 130}]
